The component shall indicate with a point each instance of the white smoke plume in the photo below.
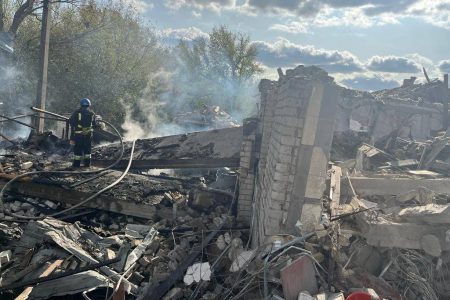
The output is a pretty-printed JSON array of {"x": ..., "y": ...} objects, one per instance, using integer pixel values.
[
  {"x": 14, "y": 99},
  {"x": 173, "y": 98},
  {"x": 152, "y": 121}
]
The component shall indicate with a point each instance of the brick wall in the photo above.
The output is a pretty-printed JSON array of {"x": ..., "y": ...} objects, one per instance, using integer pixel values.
[{"x": 297, "y": 123}]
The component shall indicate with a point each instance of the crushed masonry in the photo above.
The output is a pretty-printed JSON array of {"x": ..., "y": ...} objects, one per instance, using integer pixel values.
[{"x": 327, "y": 193}]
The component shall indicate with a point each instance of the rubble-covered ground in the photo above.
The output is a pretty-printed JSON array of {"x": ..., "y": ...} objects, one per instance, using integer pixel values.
[
  {"x": 184, "y": 211},
  {"x": 384, "y": 231}
]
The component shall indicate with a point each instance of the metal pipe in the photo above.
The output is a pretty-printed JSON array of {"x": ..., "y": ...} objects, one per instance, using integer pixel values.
[
  {"x": 50, "y": 118},
  {"x": 7, "y": 139},
  {"x": 19, "y": 122},
  {"x": 48, "y": 113},
  {"x": 30, "y": 282},
  {"x": 18, "y": 117}
]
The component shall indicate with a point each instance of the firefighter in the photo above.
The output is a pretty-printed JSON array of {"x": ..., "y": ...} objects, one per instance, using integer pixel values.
[{"x": 82, "y": 124}]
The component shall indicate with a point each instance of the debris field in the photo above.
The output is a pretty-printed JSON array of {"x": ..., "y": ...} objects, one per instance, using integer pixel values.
[{"x": 326, "y": 193}]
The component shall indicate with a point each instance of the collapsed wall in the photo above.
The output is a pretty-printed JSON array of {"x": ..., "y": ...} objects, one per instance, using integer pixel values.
[
  {"x": 297, "y": 121},
  {"x": 283, "y": 161}
]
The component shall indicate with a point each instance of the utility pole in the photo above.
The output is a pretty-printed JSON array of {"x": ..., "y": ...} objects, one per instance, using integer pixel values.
[
  {"x": 445, "y": 117},
  {"x": 2, "y": 20},
  {"x": 43, "y": 66}
]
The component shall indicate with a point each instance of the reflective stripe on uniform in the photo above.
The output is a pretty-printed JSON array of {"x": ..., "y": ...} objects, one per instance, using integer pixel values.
[
  {"x": 87, "y": 156},
  {"x": 77, "y": 157},
  {"x": 85, "y": 130},
  {"x": 79, "y": 120}
]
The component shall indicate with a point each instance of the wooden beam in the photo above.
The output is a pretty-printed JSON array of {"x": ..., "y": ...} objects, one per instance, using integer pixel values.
[
  {"x": 43, "y": 63},
  {"x": 24, "y": 295},
  {"x": 335, "y": 189},
  {"x": 174, "y": 163},
  {"x": 73, "y": 197}
]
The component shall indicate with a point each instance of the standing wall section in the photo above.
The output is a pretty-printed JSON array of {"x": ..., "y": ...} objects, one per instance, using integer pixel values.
[{"x": 298, "y": 120}]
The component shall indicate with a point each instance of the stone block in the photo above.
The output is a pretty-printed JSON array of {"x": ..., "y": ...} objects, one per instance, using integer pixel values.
[
  {"x": 310, "y": 217},
  {"x": 279, "y": 186},
  {"x": 279, "y": 196},
  {"x": 315, "y": 186},
  {"x": 286, "y": 150},
  {"x": 282, "y": 168},
  {"x": 288, "y": 140},
  {"x": 5, "y": 257},
  {"x": 280, "y": 176}
]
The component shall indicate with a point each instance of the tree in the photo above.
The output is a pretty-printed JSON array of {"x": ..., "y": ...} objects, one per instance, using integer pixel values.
[
  {"x": 217, "y": 70},
  {"x": 100, "y": 51},
  {"x": 22, "y": 11}
]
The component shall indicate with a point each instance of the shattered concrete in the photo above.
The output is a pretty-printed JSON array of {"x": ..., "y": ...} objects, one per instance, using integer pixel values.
[{"x": 329, "y": 192}]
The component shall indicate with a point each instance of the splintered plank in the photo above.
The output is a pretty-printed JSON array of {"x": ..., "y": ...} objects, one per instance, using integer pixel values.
[
  {"x": 24, "y": 295},
  {"x": 335, "y": 188}
]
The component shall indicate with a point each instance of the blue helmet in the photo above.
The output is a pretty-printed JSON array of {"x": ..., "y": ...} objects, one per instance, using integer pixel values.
[{"x": 85, "y": 102}]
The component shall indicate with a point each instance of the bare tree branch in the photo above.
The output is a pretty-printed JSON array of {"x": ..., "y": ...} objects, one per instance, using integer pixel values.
[
  {"x": 24, "y": 10},
  {"x": 27, "y": 8}
]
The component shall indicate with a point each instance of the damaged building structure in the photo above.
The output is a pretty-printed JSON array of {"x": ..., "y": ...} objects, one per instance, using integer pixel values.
[{"x": 327, "y": 193}]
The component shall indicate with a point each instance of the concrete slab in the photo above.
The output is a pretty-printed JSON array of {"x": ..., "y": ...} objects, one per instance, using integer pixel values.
[
  {"x": 396, "y": 186},
  {"x": 431, "y": 214}
]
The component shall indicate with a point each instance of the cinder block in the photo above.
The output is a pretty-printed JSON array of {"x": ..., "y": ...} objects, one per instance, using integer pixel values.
[
  {"x": 279, "y": 186},
  {"x": 280, "y": 196},
  {"x": 282, "y": 168},
  {"x": 280, "y": 176},
  {"x": 288, "y": 140}
]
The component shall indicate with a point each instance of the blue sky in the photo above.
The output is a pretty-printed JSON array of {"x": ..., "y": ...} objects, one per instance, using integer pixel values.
[{"x": 364, "y": 44}]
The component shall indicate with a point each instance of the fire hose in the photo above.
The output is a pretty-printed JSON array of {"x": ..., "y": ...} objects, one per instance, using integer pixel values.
[{"x": 17, "y": 216}]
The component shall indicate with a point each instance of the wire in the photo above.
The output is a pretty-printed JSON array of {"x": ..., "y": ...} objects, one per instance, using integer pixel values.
[{"x": 72, "y": 173}]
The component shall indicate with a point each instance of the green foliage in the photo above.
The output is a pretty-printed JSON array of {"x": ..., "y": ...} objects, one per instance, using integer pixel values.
[
  {"x": 99, "y": 51},
  {"x": 103, "y": 51},
  {"x": 217, "y": 71}
]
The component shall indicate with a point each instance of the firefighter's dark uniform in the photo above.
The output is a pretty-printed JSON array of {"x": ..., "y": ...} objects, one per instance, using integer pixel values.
[{"x": 82, "y": 124}]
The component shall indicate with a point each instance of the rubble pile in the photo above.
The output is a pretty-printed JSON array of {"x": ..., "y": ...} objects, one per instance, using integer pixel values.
[
  {"x": 283, "y": 207},
  {"x": 184, "y": 211},
  {"x": 418, "y": 93},
  {"x": 394, "y": 240},
  {"x": 197, "y": 145},
  {"x": 205, "y": 118}
]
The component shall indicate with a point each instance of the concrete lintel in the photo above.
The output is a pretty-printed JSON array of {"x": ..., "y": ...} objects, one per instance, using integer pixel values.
[
  {"x": 406, "y": 235},
  {"x": 367, "y": 186},
  {"x": 73, "y": 197}
]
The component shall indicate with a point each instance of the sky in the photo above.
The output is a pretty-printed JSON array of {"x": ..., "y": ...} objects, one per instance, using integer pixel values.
[{"x": 363, "y": 44}]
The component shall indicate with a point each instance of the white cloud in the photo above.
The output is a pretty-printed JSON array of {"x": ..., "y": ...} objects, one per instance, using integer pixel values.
[
  {"x": 393, "y": 64},
  {"x": 140, "y": 6},
  {"x": 369, "y": 82},
  {"x": 172, "y": 36},
  {"x": 362, "y": 13},
  {"x": 213, "y": 5},
  {"x": 444, "y": 66},
  {"x": 196, "y": 14},
  {"x": 436, "y": 12},
  {"x": 292, "y": 27},
  {"x": 287, "y": 54},
  {"x": 378, "y": 72}
]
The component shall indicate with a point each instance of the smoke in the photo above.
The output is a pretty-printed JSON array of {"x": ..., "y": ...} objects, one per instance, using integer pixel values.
[
  {"x": 170, "y": 96},
  {"x": 14, "y": 97},
  {"x": 147, "y": 118}
]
